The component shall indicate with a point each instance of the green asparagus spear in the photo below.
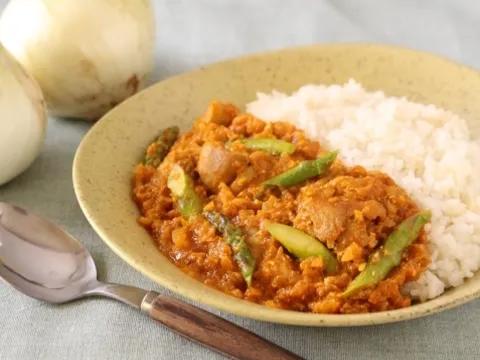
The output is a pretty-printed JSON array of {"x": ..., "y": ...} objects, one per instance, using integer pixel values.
[
  {"x": 181, "y": 186},
  {"x": 274, "y": 146},
  {"x": 301, "y": 244},
  {"x": 391, "y": 254},
  {"x": 164, "y": 142},
  {"x": 303, "y": 171},
  {"x": 234, "y": 238}
]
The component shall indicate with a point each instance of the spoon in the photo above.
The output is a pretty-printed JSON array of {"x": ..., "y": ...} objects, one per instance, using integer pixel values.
[{"x": 44, "y": 262}]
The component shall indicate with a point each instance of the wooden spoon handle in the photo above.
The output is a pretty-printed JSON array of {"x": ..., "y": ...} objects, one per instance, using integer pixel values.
[{"x": 210, "y": 330}]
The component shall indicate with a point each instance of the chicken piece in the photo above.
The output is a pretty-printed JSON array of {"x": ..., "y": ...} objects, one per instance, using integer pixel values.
[
  {"x": 218, "y": 165},
  {"x": 328, "y": 219},
  {"x": 219, "y": 113}
]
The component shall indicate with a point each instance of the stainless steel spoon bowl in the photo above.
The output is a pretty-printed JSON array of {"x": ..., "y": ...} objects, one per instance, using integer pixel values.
[{"x": 44, "y": 262}]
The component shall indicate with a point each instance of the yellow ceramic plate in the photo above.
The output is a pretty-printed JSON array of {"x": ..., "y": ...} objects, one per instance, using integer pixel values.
[{"x": 106, "y": 158}]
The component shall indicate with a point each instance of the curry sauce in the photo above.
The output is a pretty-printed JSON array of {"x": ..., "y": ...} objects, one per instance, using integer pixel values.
[{"x": 350, "y": 210}]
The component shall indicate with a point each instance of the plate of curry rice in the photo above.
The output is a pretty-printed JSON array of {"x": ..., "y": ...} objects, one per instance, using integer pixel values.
[{"x": 330, "y": 185}]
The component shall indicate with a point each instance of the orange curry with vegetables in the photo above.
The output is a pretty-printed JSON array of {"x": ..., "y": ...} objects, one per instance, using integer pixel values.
[{"x": 321, "y": 237}]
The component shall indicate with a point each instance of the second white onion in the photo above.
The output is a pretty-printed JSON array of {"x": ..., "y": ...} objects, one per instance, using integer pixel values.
[
  {"x": 87, "y": 56},
  {"x": 23, "y": 119}
]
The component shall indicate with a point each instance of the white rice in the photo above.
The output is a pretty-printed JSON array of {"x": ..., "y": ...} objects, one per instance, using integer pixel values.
[{"x": 426, "y": 150}]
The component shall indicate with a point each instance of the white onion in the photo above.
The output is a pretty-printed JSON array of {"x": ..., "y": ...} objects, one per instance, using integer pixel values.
[
  {"x": 86, "y": 55},
  {"x": 23, "y": 118}
]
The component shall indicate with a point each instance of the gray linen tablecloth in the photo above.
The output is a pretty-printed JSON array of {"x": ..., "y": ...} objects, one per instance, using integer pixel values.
[{"x": 193, "y": 33}]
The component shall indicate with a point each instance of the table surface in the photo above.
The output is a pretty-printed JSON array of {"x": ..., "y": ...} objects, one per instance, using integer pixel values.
[{"x": 193, "y": 33}]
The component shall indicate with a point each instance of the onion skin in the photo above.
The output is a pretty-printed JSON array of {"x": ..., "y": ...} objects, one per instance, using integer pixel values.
[
  {"x": 87, "y": 56},
  {"x": 23, "y": 118}
]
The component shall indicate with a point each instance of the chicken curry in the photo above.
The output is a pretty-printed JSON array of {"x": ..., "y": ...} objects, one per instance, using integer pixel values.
[{"x": 257, "y": 210}]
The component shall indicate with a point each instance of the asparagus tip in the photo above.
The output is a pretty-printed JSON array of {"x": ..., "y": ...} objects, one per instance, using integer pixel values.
[{"x": 425, "y": 215}]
